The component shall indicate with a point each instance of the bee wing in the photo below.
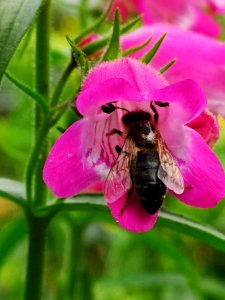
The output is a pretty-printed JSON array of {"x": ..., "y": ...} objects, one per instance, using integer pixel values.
[
  {"x": 118, "y": 181},
  {"x": 169, "y": 172}
]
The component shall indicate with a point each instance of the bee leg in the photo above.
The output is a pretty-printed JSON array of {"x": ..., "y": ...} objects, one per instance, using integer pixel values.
[
  {"x": 115, "y": 131},
  {"x": 129, "y": 194},
  {"x": 109, "y": 108},
  {"x": 156, "y": 115}
]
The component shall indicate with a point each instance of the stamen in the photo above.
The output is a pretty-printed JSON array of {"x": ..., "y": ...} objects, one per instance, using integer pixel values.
[
  {"x": 108, "y": 108},
  {"x": 156, "y": 115},
  {"x": 161, "y": 104}
]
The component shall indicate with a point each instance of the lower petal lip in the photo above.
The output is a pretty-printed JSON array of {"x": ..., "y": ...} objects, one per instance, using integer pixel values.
[{"x": 134, "y": 218}]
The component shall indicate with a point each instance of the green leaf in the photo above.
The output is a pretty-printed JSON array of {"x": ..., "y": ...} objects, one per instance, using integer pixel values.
[
  {"x": 15, "y": 18},
  {"x": 199, "y": 231},
  {"x": 152, "y": 52},
  {"x": 167, "y": 66},
  {"x": 96, "y": 202},
  {"x": 11, "y": 236},
  {"x": 83, "y": 202},
  {"x": 13, "y": 191},
  {"x": 134, "y": 49},
  {"x": 114, "y": 45},
  {"x": 27, "y": 90}
]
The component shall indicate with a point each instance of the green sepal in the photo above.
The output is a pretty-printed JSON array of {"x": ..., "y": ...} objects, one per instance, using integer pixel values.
[
  {"x": 101, "y": 43},
  {"x": 95, "y": 26},
  {"x": 113, "y": 50},
  {"x": 79, "y": 56},
  {"x": 167, "y": 66},
  {"x": 131, "y": 24},
  {"x": 134, "y": 49},
  {"x": 28, "y": 91},
  {"x": 152, "y": 52}
]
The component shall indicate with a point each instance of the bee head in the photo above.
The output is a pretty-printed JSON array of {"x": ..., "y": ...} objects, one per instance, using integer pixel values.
[{"x": 136, "y": 117}]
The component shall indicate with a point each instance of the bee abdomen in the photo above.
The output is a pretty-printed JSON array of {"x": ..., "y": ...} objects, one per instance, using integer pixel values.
[
  {"x": 149, "y": 188},
  {"x": 151, "y": 205}
]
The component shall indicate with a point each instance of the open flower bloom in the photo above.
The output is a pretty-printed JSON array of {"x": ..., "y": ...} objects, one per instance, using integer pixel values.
[
  {"x": 88, "y": 149},
  {"x": 197, "y": 57},
  {"x": 195, "y": 15}
]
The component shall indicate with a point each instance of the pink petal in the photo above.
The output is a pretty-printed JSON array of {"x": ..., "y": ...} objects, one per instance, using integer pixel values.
[
  {"x": 186, "y": 98},
  {"x": 206, "y": 124},
  {"x": 90, "y": 100},
  {"x": 205, "y": 24},
  {"x": 134, "y": 218},
  {"x": 197, "y": 57},
  {"x": 96, "y": 188},
  {"x": 124, "y": 79},
  {"x": 202, "y": 172},
  {"x": 64, "y": 172}
]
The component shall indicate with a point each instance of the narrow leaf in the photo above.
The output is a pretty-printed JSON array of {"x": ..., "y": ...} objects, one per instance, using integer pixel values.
[
  {"x": 79, "y": 57},
  {"x": 15, "y": 19},
  {"x": 79, "y": 203},
  {"x": 134, "y": 49},
  {"x": 201, "y": 232},
  {"x": 152, "y": 52},
  {"x": 12, "y": 190},
  {"x": 96, "y": 202},
  {"x": 95, "y": 26},
  {"x": 167, "y": 66},
  {"x": 114, "y": 45},
  {"x": 27, "y": 90}
]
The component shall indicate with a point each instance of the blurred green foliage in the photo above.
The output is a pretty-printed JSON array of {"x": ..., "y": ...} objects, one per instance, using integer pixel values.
[{"x": 88, "y": 257}]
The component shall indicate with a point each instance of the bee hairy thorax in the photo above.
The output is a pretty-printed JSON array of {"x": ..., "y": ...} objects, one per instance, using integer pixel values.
[{"x": 145, "y": 164}]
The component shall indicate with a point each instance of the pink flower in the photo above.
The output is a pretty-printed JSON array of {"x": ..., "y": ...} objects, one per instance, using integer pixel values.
[
  {"x": 197, "y": 57},
  {"x": 196, "y": 15},
  {"x": 86, "y": 152}
]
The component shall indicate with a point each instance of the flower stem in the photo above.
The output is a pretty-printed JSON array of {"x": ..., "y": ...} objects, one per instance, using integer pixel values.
[
  {"x": 37, "y": 235},
  {"x": 62, "y": 81},
  {"x": 36, "y": 190},
  {"x": 42, "y": 86}
]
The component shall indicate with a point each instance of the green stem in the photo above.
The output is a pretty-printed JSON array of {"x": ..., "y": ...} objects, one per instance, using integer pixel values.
[
  {"x": 62, "y": 81},
  {"x": 36, "y": 190},
  {"x": 75, "y": 261},
  {"x": 37, "y": 236},
  {"x": 78, "y": 277},
  {"x": 34, "y": 157},
  {"x": 42, "y": 86}
]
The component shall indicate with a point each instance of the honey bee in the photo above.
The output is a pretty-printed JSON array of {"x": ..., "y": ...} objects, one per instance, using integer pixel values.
[{"x": 144, "y": 165}]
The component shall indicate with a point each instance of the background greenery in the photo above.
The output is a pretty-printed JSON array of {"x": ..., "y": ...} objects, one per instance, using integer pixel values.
[{"x": 87, "y": 255}]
